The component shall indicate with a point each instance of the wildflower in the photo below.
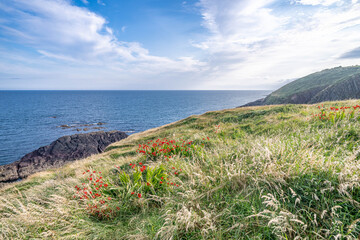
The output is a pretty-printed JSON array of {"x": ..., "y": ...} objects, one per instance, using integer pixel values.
[
  {"x": 161, "y": 182},
  {"x": 148, "y": 183},
  {"x": 105, "y": 185},
  {"x": 139, "y": 195},
  {"x": 132, "y": 193},
  {"x": 140, "y": 163}
]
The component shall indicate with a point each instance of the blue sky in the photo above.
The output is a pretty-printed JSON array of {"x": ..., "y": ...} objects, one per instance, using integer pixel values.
[{"x": 173, "y": 44}]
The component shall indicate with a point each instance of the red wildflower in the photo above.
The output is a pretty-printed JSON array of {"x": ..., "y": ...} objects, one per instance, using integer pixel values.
[
  {"x": 132, "y": 193},
  {"x": 139, "y": 195}
]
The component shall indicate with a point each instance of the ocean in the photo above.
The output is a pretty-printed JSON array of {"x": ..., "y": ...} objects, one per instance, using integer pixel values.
[{"x": 31, "y": 119}]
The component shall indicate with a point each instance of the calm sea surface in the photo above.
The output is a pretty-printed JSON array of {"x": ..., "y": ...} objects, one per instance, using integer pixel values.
[{"x": 31, "y": 119}]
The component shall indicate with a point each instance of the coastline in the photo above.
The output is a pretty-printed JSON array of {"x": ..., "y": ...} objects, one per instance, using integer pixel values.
[{"x": 58, "y": 153}]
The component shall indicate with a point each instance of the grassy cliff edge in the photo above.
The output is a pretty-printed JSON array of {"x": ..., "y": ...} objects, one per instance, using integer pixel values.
[{"x": 267, "y": 172}]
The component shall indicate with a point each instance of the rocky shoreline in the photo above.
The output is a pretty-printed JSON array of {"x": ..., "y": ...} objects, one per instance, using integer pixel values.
[{"x": 59, "y": 152}]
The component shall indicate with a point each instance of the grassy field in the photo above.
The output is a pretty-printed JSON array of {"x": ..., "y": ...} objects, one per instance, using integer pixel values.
[
  {"x": 270, "y": 172},
  {"x": 319, "y": 80}
]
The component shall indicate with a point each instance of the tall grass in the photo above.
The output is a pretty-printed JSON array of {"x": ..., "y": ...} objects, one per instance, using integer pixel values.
[{"x": 266, "y": 173}]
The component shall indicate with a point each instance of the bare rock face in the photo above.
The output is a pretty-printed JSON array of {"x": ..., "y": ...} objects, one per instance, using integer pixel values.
[{"x": 64, "y": 149}]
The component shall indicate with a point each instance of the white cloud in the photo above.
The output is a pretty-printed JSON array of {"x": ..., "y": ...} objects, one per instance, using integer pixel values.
[
  {"x": 100, "y": 2},
  {"x": 320, "y": 2},
  {"x": 63, "y": 32},
  {"x": 253, "y": 43},
  {"x": 249, "y": 45}
]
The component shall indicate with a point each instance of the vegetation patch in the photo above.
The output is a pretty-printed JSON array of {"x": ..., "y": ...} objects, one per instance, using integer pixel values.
[{"x": 271, "y": 172}]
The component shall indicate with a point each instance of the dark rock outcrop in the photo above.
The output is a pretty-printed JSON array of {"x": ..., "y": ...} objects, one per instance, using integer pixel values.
[{"x": 64, "y": 149}]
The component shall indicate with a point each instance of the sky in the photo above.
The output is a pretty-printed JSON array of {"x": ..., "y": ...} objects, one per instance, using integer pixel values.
[{"x": 173, "y": 44}]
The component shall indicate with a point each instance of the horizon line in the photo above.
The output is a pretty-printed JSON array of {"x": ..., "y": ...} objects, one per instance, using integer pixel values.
[{"x": 136, "y": 90}]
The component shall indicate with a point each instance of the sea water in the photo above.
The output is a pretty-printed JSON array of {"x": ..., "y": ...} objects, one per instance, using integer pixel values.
[{"x": 31, "y": 119}]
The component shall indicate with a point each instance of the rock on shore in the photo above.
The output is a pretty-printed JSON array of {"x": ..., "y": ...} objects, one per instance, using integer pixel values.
[{"x": 64, "y": 149}]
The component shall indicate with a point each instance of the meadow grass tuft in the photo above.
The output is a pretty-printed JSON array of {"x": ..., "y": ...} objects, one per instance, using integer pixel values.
[{"x": 271, "y": 172}]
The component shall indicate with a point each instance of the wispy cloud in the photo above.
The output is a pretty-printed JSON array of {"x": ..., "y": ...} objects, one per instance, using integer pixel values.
[
  {"x": 100, "y": 2},
  {"x": 247, "y": 45},
  {"x": 355, "y": 53},
  {"x": 320, "y": 2},
  {"x": 257, "y": 42},
  {"x": 69, "y": 34}
]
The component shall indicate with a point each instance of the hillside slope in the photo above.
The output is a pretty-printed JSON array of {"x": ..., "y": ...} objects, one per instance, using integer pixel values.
[
  {"x": 268, "y": 172},
  {"x": 342, "y": 82}
]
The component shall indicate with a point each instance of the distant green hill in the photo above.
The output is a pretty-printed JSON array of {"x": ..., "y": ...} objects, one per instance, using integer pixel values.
[{"x": 338, "y": 83}]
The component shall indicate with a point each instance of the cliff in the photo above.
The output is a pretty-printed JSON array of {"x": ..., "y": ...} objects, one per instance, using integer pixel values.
[{"x": 340, "y": 83}]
